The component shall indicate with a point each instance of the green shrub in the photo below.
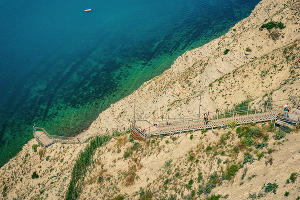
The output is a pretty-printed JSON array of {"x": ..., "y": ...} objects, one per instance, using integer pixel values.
[
  {"x": 272, "y": 24},
  {"x": 190, "y": 184},
  {"x": 167, "y": 181},
  {"x": 266, "y": 138},
  {"x": 34, "y": 147},
  {"x": 232, "y": 125},
  {"x": 204, "y": 131},
  {"x": 208, "y": 148},
  {"x": 208, "y": 188},
  {"x": 243, "y": 131},
  {"x": 223, "y": 138},
  {"x": 127, "y": 154},
  {"x": 214, "y": 197},
  {"x": 47, "y": 158},
  {"x": 260, "y": 155},
  {"x": 119, "y": 197},
  {"x": 247, "y": 141},
  {"x": 200, "y": 177},
  {"x": 248, "y": 158},
  {"x": 271, "y": 187},
  {"x": 244, "y": 173},
  {"x": 236, "y": 149},
  {"x": 168, "y": 163},
  {"x": 248, "y": 135},
  {"x": 213, "y": 181},
  {"x": 252, "y": 196},
  {"x": 270, "y": 151},
  {"x": 191, "y": 137},
  {"x": 248, "y": 49},
  {"x": 80, "y": 168},
  {"x": 135, "y": 146},
  {"x": 172, "y": 197},
  {"x": 34, "y": 175},
  {"x": 145, "y": 195},
  {"x": 293, "y": 177},
  {"x": 279, "y": 135},
  {"x": 226, "y": 51},
  {"x": 231, "y": 171},
  {"x": 4, "y": 191},
  {"x": 193, "y": 192},
  {"x": 116, "y": 134},
  {"x": 100, "y": 179},
  {"x": 191, "y": 156},
  {"x": 271, "y": 127},
  {"x": 201, "y": 190},
  {"x": 286, "y": 194},
  {"x": 131, "y": 138},
  {"x": 167, "y": 141},
  {"x": 261, "y": 145},
  {"x": 255, "y": 132}
]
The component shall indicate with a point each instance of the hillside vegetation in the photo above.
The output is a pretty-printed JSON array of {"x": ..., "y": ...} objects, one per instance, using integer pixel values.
[{"x": 256, "y": 63}]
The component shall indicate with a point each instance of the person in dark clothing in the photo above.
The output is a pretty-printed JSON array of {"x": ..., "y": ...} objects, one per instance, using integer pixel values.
[
  {"x": 205, "y": 118},
  {"x": 286, "y": 110}
]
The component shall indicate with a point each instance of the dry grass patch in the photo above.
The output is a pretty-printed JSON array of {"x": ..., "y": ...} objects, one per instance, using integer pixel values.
[
  {"x": 42, "y": 152},
  {"x": 130, "y": 175},
  {"x": 121, "y": 141}
]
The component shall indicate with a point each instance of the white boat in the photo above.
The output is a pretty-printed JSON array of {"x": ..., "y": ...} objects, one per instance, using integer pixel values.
[{"x": 88, "y": 10}]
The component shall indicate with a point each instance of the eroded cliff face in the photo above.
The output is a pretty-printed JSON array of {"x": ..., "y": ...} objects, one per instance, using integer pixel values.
[{"x": 260, "y": 64}]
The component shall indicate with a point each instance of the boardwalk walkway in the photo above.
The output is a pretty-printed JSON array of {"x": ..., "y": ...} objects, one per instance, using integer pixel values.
[
  {"x": 246, "y": 119},
  {"x": 46, "y": 140},
  {"x": 141, "y": 133},
  {"x": 145, "y": 129},
  {"x": 43, "y": 139}
]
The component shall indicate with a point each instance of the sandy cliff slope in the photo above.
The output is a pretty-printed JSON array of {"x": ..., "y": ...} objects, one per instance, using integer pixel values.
[
  {"x": 261, "y": 66},
  {"x": 196, "y": 69}
]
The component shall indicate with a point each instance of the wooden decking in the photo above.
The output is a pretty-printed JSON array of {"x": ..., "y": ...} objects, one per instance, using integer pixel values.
[
  {"x": 194, "y": 126},
  {"x": 141, "y": 133},
  {"x": 46, "y": 140},
  {"x": 252, "y": 118},
  {"x": 137, "y": 134},
  {"x": 43, "y": 139}
]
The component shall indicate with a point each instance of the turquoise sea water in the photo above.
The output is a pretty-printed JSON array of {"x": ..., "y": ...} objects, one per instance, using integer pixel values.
[{"x": 60, "y": 66}]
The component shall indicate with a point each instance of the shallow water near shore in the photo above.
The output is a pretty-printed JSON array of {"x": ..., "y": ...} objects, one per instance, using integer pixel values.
[{"x": 60, "y": 66}]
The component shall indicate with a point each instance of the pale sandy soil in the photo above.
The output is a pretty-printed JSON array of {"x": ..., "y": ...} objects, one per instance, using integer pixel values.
[
  {"x": 285, "y": 161},
  {"x": 151, "y": 173},
  {"x": 270, "y": 70}
]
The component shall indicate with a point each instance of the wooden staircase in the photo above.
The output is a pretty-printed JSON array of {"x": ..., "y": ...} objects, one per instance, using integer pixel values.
[{"x": 137, "y": 134}]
